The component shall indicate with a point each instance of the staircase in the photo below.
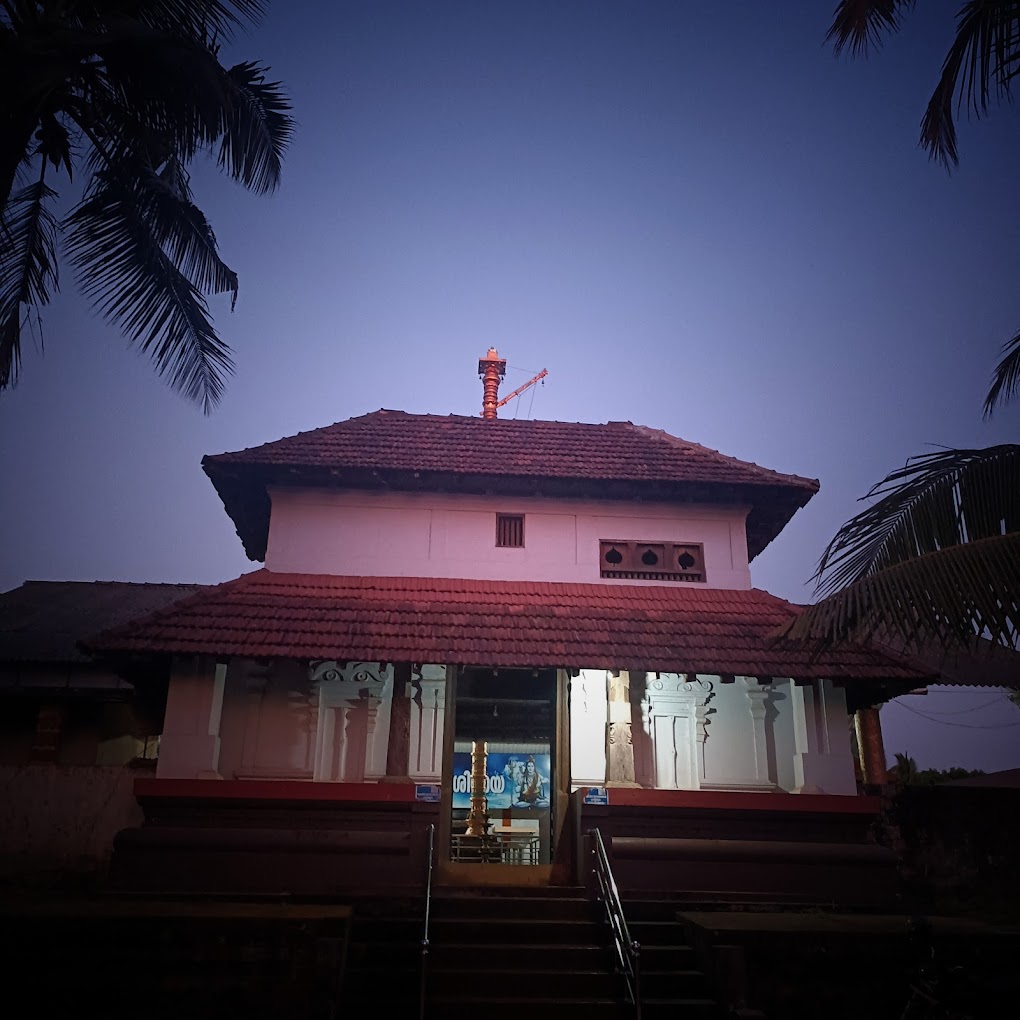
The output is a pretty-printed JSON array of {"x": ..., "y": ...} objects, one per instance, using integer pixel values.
[
  {"x": 532, "y": 953},
  {"x": 671, "y": 982}
]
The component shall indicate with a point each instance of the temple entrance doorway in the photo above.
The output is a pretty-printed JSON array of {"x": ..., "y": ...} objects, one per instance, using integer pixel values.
[{"x": 503, "y": 769}]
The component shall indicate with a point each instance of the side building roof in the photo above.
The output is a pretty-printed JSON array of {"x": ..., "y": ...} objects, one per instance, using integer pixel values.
[
  {"x": 455, "y": 453},
  {"x": 42, "y": 621}
]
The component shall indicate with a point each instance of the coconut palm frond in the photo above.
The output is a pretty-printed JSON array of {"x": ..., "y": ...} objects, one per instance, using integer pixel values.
[
  {"x": 181, "y": 229},
  {"x": 977, "y": 69},
  {"x": 1006, "y": 377},
  {"x": 182, "y": 99},
  {"x": 155, "y": 89},
  {"x": 126, "y": 93},
  {"x": 861, "y": 24},
  {"x": 211, "y": 17},
  {"x": 118, "y": 245},
  {"x": 256, "y": 128},
  {"x": 199, "y": 18},
  {"x": 937, "y": 501},
  {"x": 28, "y": 268},
  {"x": 948, "y": 598}
]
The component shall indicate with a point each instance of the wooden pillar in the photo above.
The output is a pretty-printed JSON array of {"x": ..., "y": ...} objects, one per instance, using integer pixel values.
[
  {"x": 619, "y": 737},
  {"x": 869, "y": 746},
  {"x": 398, "y": 746}
]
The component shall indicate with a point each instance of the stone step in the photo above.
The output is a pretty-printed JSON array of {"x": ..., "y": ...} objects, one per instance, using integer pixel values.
[
  {"x": 546, "y": 907},
  {"x": 387, "y": 929},
  {"x": 592, "y": 1008},
  {"x": 515, "y": 931},
  {"x": 667, "y": 957},
  {"x": 552, "y": 983},
  {"x": 657, "y": 933},
  {"x": 527, "y": 956},
  {"x": 686, "y": 1008},
  {"x": 656, "y": 984},
  {"x": 531, "y": 1007}
]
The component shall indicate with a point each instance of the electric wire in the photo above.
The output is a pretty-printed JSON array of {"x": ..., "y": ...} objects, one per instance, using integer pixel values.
[{"x": 966, "y": 726}]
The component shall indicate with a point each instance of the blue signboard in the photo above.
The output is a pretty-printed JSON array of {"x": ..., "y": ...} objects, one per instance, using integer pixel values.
[
  {"x": 427, "y": 792},
  {"x": 595, "y": 795},
  {"x": 516, "y": 779}
]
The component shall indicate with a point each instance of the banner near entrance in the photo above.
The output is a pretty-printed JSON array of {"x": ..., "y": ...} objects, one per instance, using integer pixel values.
[{"x": 518, "y": 780}]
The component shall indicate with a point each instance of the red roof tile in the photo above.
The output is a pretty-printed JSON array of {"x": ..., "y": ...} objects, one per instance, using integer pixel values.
[
  {"x": 618, "y": 460},
  {"x": 615, "y": 451},
  {"x": 493, "y": 623}
]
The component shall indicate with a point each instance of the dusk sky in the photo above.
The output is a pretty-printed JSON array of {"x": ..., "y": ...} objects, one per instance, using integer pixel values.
[{"x": 695, "y": 216}]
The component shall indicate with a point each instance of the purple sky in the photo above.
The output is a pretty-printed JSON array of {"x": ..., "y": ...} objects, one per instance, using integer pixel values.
[{"x": 703, "y": 223}]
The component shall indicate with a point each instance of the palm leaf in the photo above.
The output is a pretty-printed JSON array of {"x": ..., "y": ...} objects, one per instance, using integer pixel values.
[
  {"x": 28, "y": 268},
  {"x": 158, "y": 91},
  {"x": 256, "y": 128},
  {"x": 937, "y": 500},
  {"x": 153, "y": 88},
  {"x": 202, "y": 19},
  {"x": 140, "y": 81},
  {"x": 948, "y": 597},
  {"x": 19, "y": 111},
  {"x": 1006, "y": 377},
  {"x": 936, "y": 558},
  {"x": 860, "y": 24},
  {"x": 977, "y": 69},
  {"x": 181, "y": 229},
  {"x": 117, "y": 242}
]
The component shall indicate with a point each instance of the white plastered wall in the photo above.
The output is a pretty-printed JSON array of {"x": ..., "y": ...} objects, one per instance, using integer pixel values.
[{"x": 355, "y": 533}]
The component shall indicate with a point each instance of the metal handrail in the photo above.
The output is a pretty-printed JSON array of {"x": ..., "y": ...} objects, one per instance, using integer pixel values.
[
  {"x": 628, "y": 952},
  {"x": 428, "y": 911}
]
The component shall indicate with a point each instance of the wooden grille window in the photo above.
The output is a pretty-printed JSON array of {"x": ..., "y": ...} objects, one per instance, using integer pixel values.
[
  {"x": 652, "y": 561},
  {"x": 510, "y": 531}
]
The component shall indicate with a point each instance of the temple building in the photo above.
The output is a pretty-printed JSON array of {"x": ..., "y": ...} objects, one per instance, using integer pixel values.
[{"x": 495, "y": 632}]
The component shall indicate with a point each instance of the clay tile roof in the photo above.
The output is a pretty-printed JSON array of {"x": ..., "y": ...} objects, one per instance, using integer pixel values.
[
  {"x": 42, "y": 621},
  {"x": 455, "y": 453},
  {"x": 494, "y": 623}
]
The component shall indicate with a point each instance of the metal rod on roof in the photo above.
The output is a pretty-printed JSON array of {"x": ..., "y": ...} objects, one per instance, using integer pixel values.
[{"x": 520, "y": 389}]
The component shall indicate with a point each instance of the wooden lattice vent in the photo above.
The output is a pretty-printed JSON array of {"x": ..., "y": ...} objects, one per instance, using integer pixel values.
[{"x": 652, "y": 561}]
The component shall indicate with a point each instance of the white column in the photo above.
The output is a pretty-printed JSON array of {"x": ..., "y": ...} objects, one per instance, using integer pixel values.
[
  {"x": 822, "y": 762},
  {"x": 427, "y": 692},
  {"x": 588, "y": 718},
  {"x": 375, "y": 749},
  {"x": 190, "y": 745},
  {"x": 757, "y": 703}
]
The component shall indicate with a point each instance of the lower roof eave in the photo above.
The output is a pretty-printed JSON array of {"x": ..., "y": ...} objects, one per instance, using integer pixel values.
[
  {"x": 496, "y": 624},
  {"x": 725, "y": 673}
]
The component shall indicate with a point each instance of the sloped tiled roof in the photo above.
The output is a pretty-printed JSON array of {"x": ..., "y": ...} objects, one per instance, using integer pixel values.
[
  {"x": 616, "y": 451},
  {"x": 493, "y": 623},
  {"x": 618, "y": 460},
  {"x": 42, "y": 621}
]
